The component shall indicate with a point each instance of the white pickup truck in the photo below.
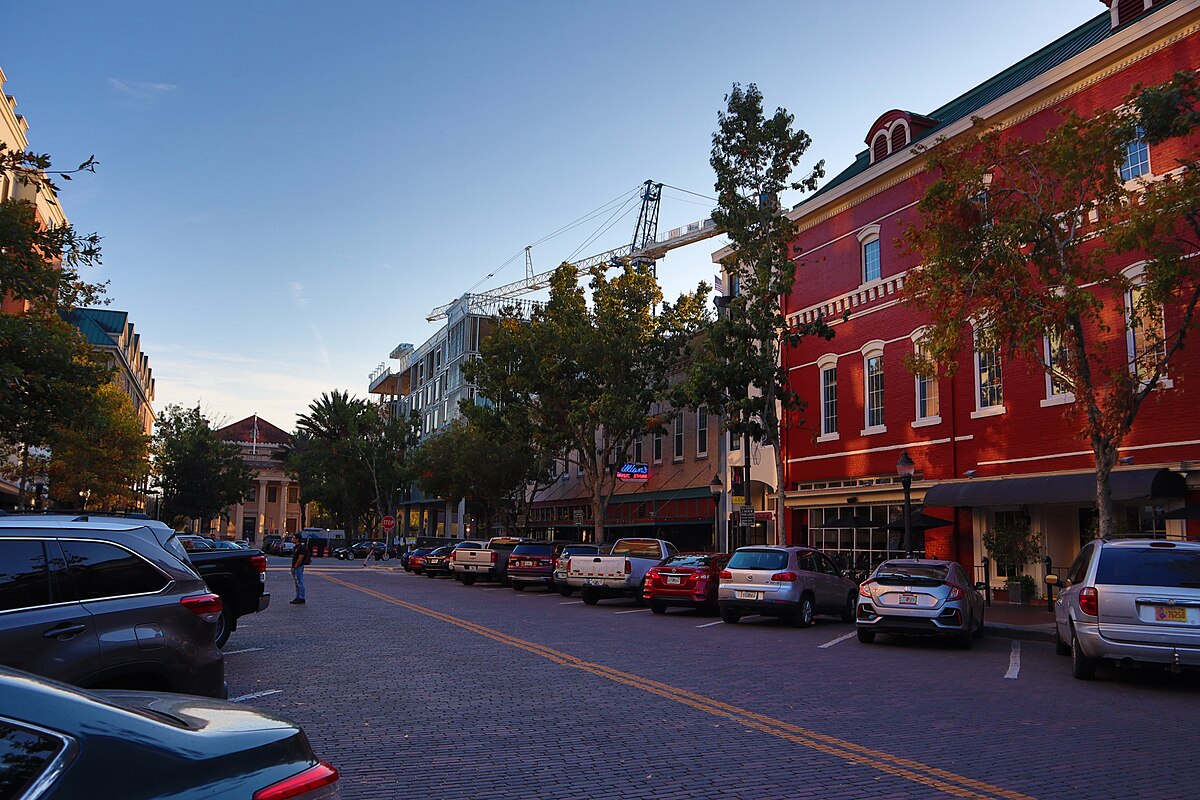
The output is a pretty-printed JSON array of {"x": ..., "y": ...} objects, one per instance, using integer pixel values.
[
  {"x": 620, "y": 573},
  {"x": 469, "y": 564}
]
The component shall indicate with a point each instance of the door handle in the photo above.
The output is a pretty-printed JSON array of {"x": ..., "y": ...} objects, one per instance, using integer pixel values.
[{"x": 65, "y": 629}]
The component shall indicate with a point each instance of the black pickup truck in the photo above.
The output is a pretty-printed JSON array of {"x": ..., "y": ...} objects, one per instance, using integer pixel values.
[{"x": 238, "y": 576}]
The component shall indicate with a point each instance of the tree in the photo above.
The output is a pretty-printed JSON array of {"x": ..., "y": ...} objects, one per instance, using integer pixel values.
[
  {"x": 383, "y": 448},
  {"x": 1021, "y": 238},
  {"x": 103, "y": 455},
  {"x": 198, "y": 474},
  {"x": 331, "y": 464},
  {"x": 738, "y": 371},
  {"x": 590, "y": 374}
]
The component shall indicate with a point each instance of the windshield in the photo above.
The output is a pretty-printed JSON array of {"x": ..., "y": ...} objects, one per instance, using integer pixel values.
[
  {"x": 1167, "y": 567},
  {"x": 534, "y": 550},
  {"x": 892, "y": 572},
  {"x": 638, "y": 548},
  {"x": 758, "y": 559},
  {"x": 690, "y": 560}
]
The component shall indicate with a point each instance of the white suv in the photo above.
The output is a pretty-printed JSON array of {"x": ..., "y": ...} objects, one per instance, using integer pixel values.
[{"x": 1131, "y": 601}]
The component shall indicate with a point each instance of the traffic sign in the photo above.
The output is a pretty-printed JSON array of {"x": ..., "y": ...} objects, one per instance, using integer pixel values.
[{"x": 389, "y": 522}]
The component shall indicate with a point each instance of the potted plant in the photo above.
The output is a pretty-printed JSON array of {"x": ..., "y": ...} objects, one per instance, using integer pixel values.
[{"x": 1013, "y": 545}]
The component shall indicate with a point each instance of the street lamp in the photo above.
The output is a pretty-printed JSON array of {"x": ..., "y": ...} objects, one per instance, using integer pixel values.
[
  {"x": 905, "y": 467},
  {"x": 716, "y": 488}
]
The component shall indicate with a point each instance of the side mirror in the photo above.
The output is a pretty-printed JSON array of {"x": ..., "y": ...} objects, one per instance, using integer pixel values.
[
  {"x": 980, "y": 586},
  {"x": 1051, "y": 579}
]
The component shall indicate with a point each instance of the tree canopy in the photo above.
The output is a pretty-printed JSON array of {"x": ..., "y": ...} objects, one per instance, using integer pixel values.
[{"x": 198, "y": 474}]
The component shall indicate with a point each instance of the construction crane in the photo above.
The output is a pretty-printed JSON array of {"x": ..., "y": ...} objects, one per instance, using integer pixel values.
[{"x": 645, "y": 249}]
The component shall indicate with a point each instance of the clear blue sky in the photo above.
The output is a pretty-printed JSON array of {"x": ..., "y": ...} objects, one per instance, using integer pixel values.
[{"x": 286, "y": 188}]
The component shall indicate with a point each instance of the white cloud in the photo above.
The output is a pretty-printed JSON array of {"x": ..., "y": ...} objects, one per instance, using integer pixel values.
[
  {"x": 298, "y": 296},
  {"x": 140, "y": 92}
]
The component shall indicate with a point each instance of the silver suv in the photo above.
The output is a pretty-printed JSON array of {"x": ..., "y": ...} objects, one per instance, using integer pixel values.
[
  {"x": 794, "y": 583},
  {"x": 1133, "y": 600},
  {"x": 105, "y": 602}
]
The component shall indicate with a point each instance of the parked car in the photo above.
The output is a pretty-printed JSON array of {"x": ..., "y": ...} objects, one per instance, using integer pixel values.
[
  {"x": 60, "y": 743},
  {"x": 454, "y": 548},
  {"x": 532, "y": 564},
  {"x": 793, "y": 583},
  {"x": 1131, "y": 601},
  {"x": 193, "y": 542},
  {"x": 919, "y": 597},
  {"x": 562, "y": 562},
  {"x": 360, "y": 550},
  {"x": 436, "y": 562},
  {"x": 416, "y": 559},
  {"x": 685, "y": 579},
  {"x": 242, "y": 543},
  {"x": 484, "y": 563},
  {"x": 226, "y": 544},
  {"x": 269, "y": 542},
  {"x": 621, "y": 573},
  {"x": 107, "y": 603}
]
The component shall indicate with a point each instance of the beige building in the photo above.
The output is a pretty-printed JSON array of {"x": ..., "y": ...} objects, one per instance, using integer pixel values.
[{"x": 273, "y": 505}]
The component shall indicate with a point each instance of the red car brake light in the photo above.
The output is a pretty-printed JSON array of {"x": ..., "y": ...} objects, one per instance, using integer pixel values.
[
  {"x": 453, "y": 556},
  {"x": 493, "y": 554},
  {"x": 956, "y": 593},
  {"x": 651, "y": 573},
  {"x": 1089, "y": 601},
  {"x": 321, "y": 774},
  {"x": 726, "y": 575},
  {"x": 259, "y": 562},
  {"x": 628, "y": 567},
  {"x": 866, "y": 589},
  {"x": 206, "y": 606},
  {"x": 786, "y": 577}
]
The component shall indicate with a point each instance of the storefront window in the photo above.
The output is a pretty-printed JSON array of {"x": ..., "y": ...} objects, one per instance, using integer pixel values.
[{"x": 861, "y": 548}]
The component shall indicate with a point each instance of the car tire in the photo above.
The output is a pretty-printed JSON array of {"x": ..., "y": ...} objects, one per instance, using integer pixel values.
[
  {"x": 428, "y": 574},
  {"x": 851, "y": 607},
  {"x": 566, "y": 591},
  {"x": 518, "y": 587},
  {"x": 803, "y": 616},
  {"x": 589, "y": 596},
  {"x": 658, "y": 608},
  {"x": 865, "y": 636},
  {"x": 639, "y": 598},
  {"x": 225, "y": 625},
  {"x": 1082, "y": 667},
  {"x": 730, "y": 617},
  {"x": 468, "y": 579},
  {"x": 1060, "y": 647}
]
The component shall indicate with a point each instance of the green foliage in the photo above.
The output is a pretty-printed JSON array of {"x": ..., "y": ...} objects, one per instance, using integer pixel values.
[
  {"x": 1020, "y": 237},
  {"x": 198, "y": 474},
  {"x": 1012, "y": 543}
]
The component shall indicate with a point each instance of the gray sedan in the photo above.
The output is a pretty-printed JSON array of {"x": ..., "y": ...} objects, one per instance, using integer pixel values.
[{"x": 922, "y": 597}]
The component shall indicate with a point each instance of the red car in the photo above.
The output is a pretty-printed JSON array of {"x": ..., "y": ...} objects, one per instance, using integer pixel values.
[
  {"x": 532, "y": 564},
  {"x": 685, "y": 579}
]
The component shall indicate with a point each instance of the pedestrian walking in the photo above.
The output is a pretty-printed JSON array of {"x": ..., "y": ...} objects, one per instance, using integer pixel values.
[{"x": 301, "y": 558}]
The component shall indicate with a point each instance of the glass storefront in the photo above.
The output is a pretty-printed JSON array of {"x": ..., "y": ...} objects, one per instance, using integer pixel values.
[{"x": 855, "y": 536}]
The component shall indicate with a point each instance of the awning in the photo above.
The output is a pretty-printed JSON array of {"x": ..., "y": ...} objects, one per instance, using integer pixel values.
[{"x": 1080, "y": 488}]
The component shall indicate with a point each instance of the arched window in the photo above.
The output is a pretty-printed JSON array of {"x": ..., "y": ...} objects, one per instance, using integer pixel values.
[
  {"x": 872, "y": 263},
  {"x": 873, "y": 388},
  {"x": 879, "y": 149},
  {"x": 827, "y": 367},
  {"x": 899, "y": 136}
]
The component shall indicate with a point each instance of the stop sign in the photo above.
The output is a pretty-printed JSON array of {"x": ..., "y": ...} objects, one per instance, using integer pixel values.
[{"x": 389, "y": 522}]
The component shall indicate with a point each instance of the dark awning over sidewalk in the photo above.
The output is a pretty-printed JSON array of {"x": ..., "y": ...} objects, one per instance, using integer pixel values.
[{"x": 1127, "y": 485}]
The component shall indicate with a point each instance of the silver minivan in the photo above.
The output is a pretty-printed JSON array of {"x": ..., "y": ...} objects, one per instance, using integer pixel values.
[
  {"x": 793, "y": 583},
  {"x": 1131, "y": 601}
]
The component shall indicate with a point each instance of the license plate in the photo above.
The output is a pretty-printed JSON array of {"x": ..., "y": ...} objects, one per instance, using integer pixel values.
[
  {"x": 748, "y": 595},
  {"x": 908, "y": 599},
  {"x": 592, "y": 582},
  {"x": 673, "y": 580},
  {"x": 1170, "y": 614}
]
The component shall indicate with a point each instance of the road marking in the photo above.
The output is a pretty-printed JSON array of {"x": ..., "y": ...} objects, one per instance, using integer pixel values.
[
  {"x": 239, "y": 652},
  {"x": 827, "y": 645},
  {"x": 710, "y": 624},
  {"x": 898, "y": 766},
  {"x": 1014, "y": 661},
  {"x": 254, "y": 695},
  {"x": 632, "y": 611},
  {"x": 572, "y": 603}
]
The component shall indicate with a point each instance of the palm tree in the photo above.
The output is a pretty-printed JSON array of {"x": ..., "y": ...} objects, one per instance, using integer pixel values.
[{"x": 332, "y": 426}]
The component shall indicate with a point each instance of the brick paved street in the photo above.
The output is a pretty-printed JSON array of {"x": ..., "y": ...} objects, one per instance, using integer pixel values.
[{"x": 398, "y": 685}]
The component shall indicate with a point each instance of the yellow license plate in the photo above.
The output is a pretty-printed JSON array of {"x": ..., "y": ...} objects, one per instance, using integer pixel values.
[{"x": 1170, "y": 614}]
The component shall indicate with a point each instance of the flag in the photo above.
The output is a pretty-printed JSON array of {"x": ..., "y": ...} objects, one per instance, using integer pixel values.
[{"x": 719, "y": 284}]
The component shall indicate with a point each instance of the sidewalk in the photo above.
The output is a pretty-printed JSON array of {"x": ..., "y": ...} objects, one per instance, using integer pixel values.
[{"x": 1016, "y": 621}]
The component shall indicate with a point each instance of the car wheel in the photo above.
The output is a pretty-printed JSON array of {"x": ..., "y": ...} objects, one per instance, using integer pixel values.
[
  {"x": 225, "y": 623},
  {"x": 589, "y": 596},
  {"x": 566, "y": 591},
  {"x": 730, "y": 616},
  {"x": 1060, "y": 647},
  {"x": 428, "y": 574},
  {"x": 865, "y": 636},
  {"x": 468, "y": 579},
  {"x": 518, "y": 587},
  {"x": 851, "y": 603},
  {"x": 658, "y": 608},
  {"x": 640, "y": 598},
  {"x": 1082, "y": 667},
  {"x": 804, "y": 614}
]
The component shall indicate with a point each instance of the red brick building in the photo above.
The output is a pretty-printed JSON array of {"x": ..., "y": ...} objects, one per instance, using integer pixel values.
[{"x": 976, "y": 435}]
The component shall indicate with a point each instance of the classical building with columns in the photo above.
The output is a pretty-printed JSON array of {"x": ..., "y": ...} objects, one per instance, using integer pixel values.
[{"x": 273, "y": 505}]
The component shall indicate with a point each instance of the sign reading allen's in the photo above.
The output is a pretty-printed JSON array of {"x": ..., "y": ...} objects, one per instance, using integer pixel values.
[{"x": 634, "y": 472}]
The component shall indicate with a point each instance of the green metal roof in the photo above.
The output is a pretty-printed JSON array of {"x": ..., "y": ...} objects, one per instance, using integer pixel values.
[
  {"x": 1057, "y": 52},
  {"x": 100, "y": 326}
]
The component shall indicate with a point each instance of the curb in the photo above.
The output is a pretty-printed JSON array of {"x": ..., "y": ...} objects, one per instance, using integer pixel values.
[{"x": 1023, "y": 632}]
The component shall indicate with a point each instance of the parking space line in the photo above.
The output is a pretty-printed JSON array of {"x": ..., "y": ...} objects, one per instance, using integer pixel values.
[
  {"x": 710, "y": 624},
  {"x": 838, "y": 639},
  {"x": 254, "y": 695},
  {"x": 1014, "y": 661},
  {"x": 243, "y": 650},
  {"x": 632, "y": 611},
  {"x": 572, "y": 603}
]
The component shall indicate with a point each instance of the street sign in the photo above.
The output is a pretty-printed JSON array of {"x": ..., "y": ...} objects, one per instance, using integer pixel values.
[
  {"x": 737, "y": 500},
  {"x": 746, "y": 515},
  {"x": 389, "y": 522},
  {"x": 577, "y": 515}
]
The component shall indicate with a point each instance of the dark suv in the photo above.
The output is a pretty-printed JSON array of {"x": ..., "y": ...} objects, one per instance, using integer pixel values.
[{"x": 106, "y": 603}]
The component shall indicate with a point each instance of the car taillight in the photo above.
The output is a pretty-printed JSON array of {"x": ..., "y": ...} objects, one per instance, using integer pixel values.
[
  {"x": 1089, "y": 601},
  {"x": 453, "y": 556},
  {"x": 955, "y": 593},
  {"x": 206, "y": 606},
  {"x": 259, "y": 562},
  {"x": 493, "y": 554},
  {"x": 866, "y": 589},
  {"x": 628, "y": 567},
  {"x": 652, "y": 574},
  {"x": 311, "y": 779},
  {"x": 726, "y": 575},
  {"x": 786, "y": 577}
]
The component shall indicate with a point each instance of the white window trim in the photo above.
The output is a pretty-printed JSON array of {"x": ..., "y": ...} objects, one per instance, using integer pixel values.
[
  {"x": 983, "y": 411},
  {"x": 865, "y": 236},
  {"x": 887, "y": 144},
  {"x": 872, "y": 349},
  {"x": 919, "y": 421},
  {"x": 1053, "y": 398},
  {"x": 1135, "y": 273},
  {"x": 702, "y": 434},
  {"x": 678, "y": 438},
  {"x": 827, "y": 361}
]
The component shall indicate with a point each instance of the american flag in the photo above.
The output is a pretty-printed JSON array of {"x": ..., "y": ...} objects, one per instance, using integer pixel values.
[{"x": 719, "y": 284}]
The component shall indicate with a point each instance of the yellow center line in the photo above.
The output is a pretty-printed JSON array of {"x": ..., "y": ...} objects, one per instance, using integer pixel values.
[{"x": 944, "y": 780}]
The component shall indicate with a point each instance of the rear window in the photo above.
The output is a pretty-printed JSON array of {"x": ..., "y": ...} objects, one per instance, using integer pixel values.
[
  {"x": 1149, "y": 566},
  {"x": 24, "y": 756},
  {"x": 637, "y": 548},
  {"x": 890, "y": 573},
  {"x": 692, "y": 560},
  {"x": 533, "y": 550},
  {"x": 580, "y": 550},
  {"x": 758, "y": 559}
]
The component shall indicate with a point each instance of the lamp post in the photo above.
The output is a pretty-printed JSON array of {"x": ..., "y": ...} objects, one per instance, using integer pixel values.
[
  {"x": 905, "y": 467},
  {"x": 716, "y": 488}
]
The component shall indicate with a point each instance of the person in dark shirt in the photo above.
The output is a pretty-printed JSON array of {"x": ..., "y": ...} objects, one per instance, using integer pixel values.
[{"x": 300, "y": 558}]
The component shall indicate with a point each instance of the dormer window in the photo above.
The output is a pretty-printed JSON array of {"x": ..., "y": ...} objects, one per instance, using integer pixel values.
[
  {"x": 880, "y": 149},
  {"x": 1126, "y": 11},
  {"x": 895, "y": 131},
  {"x": 899, "y": 137}
]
